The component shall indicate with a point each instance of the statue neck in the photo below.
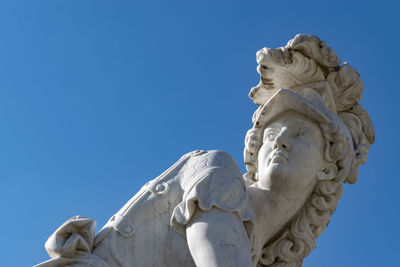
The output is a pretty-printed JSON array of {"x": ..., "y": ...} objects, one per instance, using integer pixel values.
[{"x": 272, "y": 211}]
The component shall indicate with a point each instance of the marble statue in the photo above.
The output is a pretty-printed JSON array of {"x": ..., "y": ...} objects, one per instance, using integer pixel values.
[{"x": 309, "y": 136}]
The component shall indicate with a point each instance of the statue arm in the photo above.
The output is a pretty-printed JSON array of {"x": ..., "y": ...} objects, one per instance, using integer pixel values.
[{"x": 218, "y": 238}]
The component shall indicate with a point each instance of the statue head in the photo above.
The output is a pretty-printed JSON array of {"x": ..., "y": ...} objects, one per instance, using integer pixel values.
[
  {"x": 306, "y": 139},
  {"x": 300, "y": 143}
]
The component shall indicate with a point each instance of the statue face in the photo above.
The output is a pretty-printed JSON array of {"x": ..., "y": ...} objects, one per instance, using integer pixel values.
[{"x": 291, "y": 154}]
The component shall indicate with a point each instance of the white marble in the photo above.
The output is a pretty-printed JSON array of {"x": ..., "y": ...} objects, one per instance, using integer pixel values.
[{"x": 309, "y": 136}]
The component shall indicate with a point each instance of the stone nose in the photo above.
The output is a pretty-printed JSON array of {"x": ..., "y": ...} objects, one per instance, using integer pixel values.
[{"x": 281, "y": 140}]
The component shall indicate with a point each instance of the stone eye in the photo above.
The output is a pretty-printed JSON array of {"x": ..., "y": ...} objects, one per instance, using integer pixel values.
[
  {"x": 269, "y": 136},
  {"x": 302, "y": 132}
]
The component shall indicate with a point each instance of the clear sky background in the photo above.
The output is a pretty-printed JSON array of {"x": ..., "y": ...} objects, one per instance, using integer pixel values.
[{"x": 98, "y": 97}]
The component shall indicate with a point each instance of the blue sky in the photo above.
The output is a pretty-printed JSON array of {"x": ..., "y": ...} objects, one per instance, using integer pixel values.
[{"x": 97, "y": 97}]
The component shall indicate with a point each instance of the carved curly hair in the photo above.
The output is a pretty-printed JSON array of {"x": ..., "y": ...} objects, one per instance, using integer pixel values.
[{"x": 292, "y": 244}]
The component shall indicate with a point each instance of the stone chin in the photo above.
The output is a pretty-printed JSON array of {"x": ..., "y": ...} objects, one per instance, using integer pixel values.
[
  {"x": 275, "y": 176},
  {"x": 278, "y": 169}
]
